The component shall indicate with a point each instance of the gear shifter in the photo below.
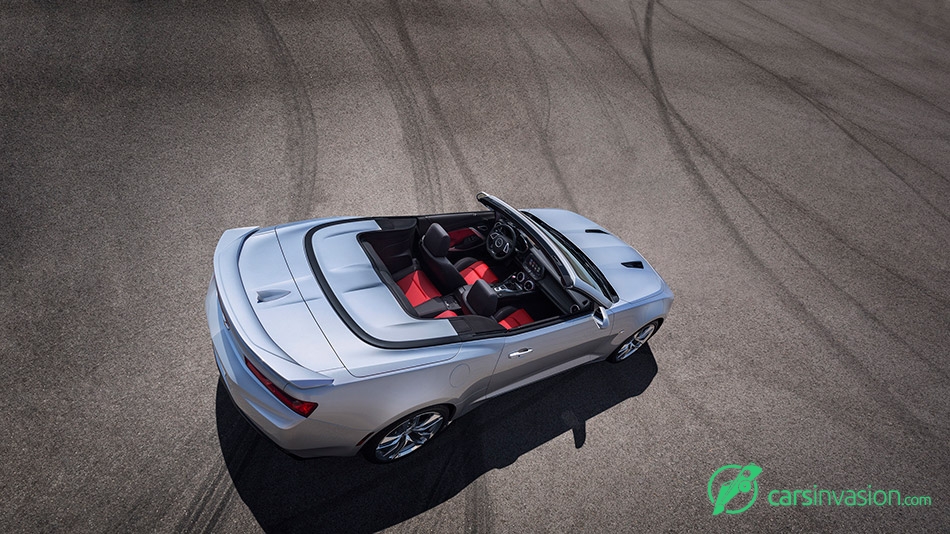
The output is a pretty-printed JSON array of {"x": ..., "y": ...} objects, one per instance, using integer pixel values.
[{"x": 516, "y": 284}]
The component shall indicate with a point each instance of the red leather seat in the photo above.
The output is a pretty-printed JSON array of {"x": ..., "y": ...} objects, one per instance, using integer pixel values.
[
  {"x": 473, "y": 270},
  {"x": 433, "y": 248},
  {"x": 417, "y": 287},
  {"x": 435, "y": 245},
  {"x": 510, "y": 317},
  {"x": 420, "y": 288}
]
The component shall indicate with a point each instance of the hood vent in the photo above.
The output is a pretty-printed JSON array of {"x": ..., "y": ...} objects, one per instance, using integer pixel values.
[
  {"x": 267, "y": 295},
  {"x": 633, "y": 264},
  {"x": 595, "y": 231}
]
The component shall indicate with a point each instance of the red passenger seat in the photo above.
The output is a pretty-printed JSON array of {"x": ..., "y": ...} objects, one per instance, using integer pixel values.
[
  {"x": 473, "y": 270},
  {"x": 509, "y": 317}
]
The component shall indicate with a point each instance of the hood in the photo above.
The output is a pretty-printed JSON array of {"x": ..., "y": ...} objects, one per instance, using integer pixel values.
[{"x": 633, "y": 281}]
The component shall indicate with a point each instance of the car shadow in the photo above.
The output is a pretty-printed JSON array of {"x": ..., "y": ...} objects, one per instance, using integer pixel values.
[{"x": 353, "y": 495}]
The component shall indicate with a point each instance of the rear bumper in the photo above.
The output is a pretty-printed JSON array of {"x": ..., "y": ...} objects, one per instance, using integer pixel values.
[{"x": 299, "y": 436}]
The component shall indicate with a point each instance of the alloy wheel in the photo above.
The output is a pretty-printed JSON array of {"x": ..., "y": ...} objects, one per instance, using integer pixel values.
[
  {"x": 635, "y": 342},
  {"x": 409, "y": 435}
]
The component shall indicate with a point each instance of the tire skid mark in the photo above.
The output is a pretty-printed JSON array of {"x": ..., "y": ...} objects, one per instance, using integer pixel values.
[
  {"x": 824, "y": 107},
  {"x": 210, "y": 483},
  {"x": 544, "y": 141},
  {"x": 678, "y": 145},
  {"x": 303, "y": 147},
  {"x": 876, "y": 137},
  {"x": 431, "y": 100},
  {"x": 545, "y": 86},
  {"x": 720, "y": 160},
  {"x": 219, "y": 490},
  {"x": 847, "y": 59},
  {"x": 828, "y": 229},
  {"x": 811, "y": 214},
  {"x": 616, "y": 51},
  {"x": 705, "y": 150},
  {"x": 702, "y": 416},
  {"x": 919, "y": 18},
  {"x": 890, "y": 145},
  {"x": 667, "y": 113},
  {"x": 419, "y": 150},
  {"x": 478, "y": 511},
  {"x": 607, "y": 109},
  {"x": 250, "y": 440},
  {"x": 469, "y": 458},
  {"x": 535, "y": 68},
  {"x": 206, "y": 510},
  {"x": 830, "y": 114}
]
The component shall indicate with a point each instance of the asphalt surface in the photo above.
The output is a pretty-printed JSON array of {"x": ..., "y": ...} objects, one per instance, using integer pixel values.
[{"x": 784, "y": 165}]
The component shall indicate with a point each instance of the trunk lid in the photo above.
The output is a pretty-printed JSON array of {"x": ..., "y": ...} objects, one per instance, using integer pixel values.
[{"x": 273, "y": 294}]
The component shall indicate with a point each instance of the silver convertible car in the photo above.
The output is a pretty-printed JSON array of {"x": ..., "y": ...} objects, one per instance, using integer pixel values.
[{"x": 344, "y": 335}]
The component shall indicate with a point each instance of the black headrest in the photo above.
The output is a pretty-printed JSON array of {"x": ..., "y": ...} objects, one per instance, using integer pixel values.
[
  {"x": 436, "y": 240},
  {"x": 482, "y": 299}
]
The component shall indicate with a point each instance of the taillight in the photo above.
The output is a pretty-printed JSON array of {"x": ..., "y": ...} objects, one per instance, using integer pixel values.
[{"x": 304, "y": 408}]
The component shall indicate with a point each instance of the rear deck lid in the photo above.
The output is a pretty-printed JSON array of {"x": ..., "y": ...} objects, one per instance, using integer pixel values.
[{"x": 272, "y": 292}]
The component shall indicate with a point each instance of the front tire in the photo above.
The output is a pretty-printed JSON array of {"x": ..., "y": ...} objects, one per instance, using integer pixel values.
[
  {"x": 407, "y": 435},
  {"x": 634, "y": 342}
]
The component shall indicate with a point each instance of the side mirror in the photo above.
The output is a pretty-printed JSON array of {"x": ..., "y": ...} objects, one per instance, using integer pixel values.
[{"x": 600, "y": 317}]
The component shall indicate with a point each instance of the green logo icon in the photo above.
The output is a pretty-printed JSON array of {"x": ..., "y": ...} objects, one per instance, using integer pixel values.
[{"x": 743, "y": 481}]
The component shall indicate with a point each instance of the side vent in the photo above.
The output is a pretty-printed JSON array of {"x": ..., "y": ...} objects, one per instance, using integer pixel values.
[
  {"x": 633, "y": 264},
  {"x": 595, "y": 231}
]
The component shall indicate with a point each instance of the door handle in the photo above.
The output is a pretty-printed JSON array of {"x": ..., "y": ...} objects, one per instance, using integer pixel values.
[{"x": 519, "y": 353}]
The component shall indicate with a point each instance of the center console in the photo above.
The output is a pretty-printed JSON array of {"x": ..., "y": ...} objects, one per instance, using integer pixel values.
[{"x": 515, "y": 285}]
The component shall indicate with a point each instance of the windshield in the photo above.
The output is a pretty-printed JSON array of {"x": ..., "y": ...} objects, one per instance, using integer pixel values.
[{"x": 583, "y": 267}]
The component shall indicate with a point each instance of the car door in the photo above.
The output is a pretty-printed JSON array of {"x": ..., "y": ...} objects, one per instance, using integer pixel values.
[{"x": 543, "y": 352}]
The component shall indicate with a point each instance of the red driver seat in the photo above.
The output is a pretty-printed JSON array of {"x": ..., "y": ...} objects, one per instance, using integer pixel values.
[{"x": 449, "y": 277}]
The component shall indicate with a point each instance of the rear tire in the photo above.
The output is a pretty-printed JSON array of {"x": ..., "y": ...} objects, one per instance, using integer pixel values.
[
  {"x": 407, "y": 435},
  {"x": 634, "y": 342}
]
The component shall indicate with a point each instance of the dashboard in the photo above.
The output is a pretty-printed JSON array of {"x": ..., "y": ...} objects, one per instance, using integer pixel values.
[
  {"x": 532, "y": 266},
  {"x": 531, "y": 260},
  {"x": 537, "y": 267}
]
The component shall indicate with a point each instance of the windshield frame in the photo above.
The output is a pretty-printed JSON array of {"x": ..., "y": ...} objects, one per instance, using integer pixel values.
[
  {"x": 565, "y": 271},
  {"x": 588, "y": 272}
]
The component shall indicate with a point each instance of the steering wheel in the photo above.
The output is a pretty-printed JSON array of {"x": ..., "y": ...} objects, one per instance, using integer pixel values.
[{"x": 501, "y": 241}]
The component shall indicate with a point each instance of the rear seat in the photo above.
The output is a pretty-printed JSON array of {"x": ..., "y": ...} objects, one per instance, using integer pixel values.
[
  {"x": 423, "y": 296},
  {"x": 417, "y": 287}
]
